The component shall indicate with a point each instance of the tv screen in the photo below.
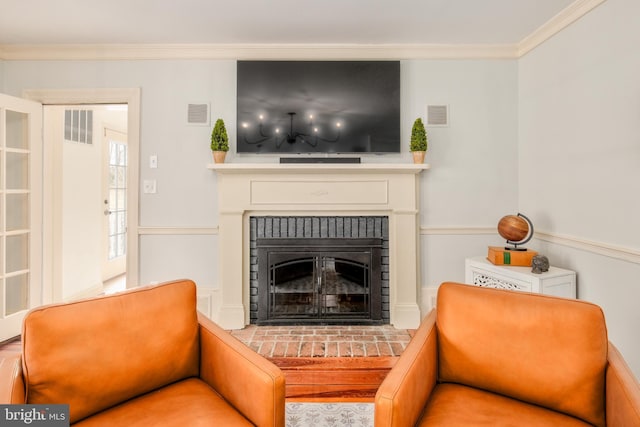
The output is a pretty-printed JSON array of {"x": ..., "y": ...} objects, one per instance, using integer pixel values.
[{"x": 318, "y": 107}]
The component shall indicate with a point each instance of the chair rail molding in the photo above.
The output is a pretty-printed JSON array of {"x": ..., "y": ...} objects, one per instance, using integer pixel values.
[{"x": 605, "y": 249}]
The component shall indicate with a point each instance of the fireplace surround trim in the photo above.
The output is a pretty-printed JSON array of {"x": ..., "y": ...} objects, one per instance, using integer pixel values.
[{"x": 338, "y": 189}]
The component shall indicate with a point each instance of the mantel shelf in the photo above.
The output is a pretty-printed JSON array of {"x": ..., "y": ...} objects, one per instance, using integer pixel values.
[{"x": 309, "y": 168}]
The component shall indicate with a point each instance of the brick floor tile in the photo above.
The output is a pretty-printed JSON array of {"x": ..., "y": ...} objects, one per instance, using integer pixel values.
[
  {"x": 344, "y": 349},
  {"x": 385, "y": 349},
  {"x": 371, "y": 349},
  {"x": 357, "y": 349},
  {"x": 290, "y": 338},
  {"x": 396, "y": 348},
  {"x": 279, "y": 349},
  {"x": 306, "y": 349},
  {"x": 331, "y": 349},
  {"x": 293, "y": 349},
  {"x": 318, "y": 349}
]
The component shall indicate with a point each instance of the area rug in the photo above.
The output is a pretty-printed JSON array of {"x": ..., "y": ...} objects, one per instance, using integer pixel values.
[{"x": 303, "y": 414}]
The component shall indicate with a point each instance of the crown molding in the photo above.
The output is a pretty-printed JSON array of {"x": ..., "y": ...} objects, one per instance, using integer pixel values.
[
  {"x": 562, "y": 20},
  {"x": 115, "y": 52}
]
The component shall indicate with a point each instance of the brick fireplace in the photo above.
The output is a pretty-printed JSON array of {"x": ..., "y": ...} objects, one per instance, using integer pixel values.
[{"x": 248, "y": 191}]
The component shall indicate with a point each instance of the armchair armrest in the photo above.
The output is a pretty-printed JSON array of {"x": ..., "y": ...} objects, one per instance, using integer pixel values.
[
  {"x": 11, "y": 381},
  {"x": 248, "y": 381},
  {"x": 623, "y": 392},
  {"x": 403, "y": 394}
]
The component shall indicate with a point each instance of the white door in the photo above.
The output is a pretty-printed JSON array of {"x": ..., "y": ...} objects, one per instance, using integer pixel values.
[
  {"x": 20, "y": 211},
  {"x": 115, "y": 204}
]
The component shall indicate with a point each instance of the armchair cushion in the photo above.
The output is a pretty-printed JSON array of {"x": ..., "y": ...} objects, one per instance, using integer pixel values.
[
  {"x": 190, "y": 402},
  {"x": 459, "y": 405},
  {"x": 498, "y": 341}
]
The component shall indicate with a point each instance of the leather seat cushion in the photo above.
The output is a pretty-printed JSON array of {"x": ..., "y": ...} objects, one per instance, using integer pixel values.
[
  {"x": 189, "y": 402},
  {"x": 459, "y": 405}
]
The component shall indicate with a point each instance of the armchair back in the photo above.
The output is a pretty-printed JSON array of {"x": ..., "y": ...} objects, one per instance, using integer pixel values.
[
  {"x": 125, "y": 344},
  {"x": 547, "y": 351}
]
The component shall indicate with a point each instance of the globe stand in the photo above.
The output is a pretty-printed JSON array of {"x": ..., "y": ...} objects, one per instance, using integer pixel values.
[{"x": 514, "y": 248}]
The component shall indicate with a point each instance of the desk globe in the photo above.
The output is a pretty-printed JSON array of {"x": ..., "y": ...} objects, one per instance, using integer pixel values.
[{"x": 516, "y": 229}]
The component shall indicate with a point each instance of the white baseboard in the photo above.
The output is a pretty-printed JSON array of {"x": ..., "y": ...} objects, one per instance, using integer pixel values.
[{"x": 208, "y": 302}]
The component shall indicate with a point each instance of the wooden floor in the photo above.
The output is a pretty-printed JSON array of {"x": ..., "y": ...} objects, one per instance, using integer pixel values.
[
  {"x": 11, "y": 346},
  {"x": 330, "y": 379}
]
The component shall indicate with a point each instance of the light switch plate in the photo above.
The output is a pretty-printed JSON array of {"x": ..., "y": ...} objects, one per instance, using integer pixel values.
[{"x": 153, "y": 161}]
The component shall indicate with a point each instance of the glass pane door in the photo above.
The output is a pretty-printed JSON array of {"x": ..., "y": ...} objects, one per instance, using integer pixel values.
[
  {"x": 117, "y": 199},
  {"x": 20, "y": 191},
  {"x": 115, "y": 188},
  {"x": 345, "y": 282},
  {"x": 294, "y": 288}
]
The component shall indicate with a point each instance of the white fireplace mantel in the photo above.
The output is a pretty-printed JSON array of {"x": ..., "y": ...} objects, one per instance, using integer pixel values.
[{"x": 246, "y": 190}]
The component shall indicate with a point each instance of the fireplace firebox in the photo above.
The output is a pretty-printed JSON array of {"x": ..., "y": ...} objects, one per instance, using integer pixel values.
[
  {"x": 319, "y": 270},
  {"x": 318, "y": 281}
]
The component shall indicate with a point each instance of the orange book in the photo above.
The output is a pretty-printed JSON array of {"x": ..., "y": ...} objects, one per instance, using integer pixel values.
[{"x": 501, "y": 256}]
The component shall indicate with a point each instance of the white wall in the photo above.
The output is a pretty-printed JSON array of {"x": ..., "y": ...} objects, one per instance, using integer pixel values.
[
  {"x": 474, "y": 175},
  {"x": 579, "y": 151}
]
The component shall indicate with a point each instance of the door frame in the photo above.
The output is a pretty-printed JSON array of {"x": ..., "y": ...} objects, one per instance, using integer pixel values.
[{"x": 131, "y": 97}]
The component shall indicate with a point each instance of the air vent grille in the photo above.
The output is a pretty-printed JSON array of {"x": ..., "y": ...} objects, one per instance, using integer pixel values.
[
  {"x": 198, "y": 114},
  {"x": 78, "y": 126},
  {"x": 437, "y": 115}
]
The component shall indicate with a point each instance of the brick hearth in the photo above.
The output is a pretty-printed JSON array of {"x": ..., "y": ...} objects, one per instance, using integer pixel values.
[{"x": 324, "y": 341}]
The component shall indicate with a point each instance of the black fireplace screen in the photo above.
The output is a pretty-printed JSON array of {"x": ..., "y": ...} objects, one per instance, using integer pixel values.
[{"x": 319, "y": 280}]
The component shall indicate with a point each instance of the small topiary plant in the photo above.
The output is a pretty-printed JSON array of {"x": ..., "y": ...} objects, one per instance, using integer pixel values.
[
  {"x": 219, "y": 138},
  {"x": 418, "y": 136}
]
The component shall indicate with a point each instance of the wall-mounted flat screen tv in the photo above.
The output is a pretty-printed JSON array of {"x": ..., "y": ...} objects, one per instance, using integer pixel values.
[{"x": 318, "y": 107}]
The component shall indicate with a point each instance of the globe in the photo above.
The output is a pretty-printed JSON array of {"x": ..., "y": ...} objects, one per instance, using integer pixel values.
[{"x": 514, "y": 228}]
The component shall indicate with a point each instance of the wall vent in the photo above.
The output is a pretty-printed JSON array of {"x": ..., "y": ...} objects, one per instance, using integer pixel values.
[
  {"x": 198, "y": 114},
  {"x": 437, "y": 115},
  {"x": 78, "y": 126}
]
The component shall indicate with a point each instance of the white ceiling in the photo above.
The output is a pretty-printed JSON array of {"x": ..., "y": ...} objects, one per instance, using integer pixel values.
[{"x": 274, "y": 21}]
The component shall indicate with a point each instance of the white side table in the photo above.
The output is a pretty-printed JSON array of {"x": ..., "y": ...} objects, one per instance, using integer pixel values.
[{"x": 557, "y": 281}]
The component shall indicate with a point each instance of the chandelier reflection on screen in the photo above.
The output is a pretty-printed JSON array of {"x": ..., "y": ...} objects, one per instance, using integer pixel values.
[{"x": 311, "y": 136}]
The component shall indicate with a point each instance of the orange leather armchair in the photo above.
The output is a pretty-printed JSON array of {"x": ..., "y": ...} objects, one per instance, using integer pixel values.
[
  {"x": 503, "y": 358},
  {"x": 141, "y": 358}
]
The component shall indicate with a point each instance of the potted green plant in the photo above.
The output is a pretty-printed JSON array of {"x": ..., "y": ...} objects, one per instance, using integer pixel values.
[
  {"x": 219, "y": 141},
  {"x": 418, "y": 146}
]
